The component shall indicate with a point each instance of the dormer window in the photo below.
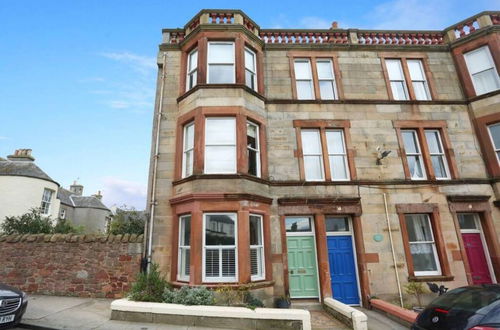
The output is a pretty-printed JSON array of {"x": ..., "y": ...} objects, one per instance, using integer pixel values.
[{"x": 220, "y": 63}]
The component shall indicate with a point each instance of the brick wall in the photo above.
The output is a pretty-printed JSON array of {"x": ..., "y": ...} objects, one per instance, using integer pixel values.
[{"x": 71, "y": 265}]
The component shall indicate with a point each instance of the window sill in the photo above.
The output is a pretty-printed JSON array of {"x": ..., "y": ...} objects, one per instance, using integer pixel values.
[
  {"x": 216, "y": 86},
  {"x": 438, "y": 278},
  {"x": 251, "y": 285}
]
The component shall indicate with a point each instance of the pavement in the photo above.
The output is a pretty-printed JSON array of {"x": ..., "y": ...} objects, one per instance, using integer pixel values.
[{"x": 53, "y": 312}]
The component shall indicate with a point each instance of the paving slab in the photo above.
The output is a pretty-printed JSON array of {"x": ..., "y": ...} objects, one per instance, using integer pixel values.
[{"x": 378, "y": 321}]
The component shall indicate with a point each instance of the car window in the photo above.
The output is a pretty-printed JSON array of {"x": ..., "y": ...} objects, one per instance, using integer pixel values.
[{"x": 467, "y": 299}]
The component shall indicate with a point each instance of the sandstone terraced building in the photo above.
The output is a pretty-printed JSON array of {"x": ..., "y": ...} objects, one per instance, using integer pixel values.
[{"x": 315, "y": 163}]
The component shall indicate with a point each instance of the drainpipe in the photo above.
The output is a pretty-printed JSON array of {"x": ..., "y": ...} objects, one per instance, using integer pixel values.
[
  {"x": 392, "y": 250},
  {"x": 152, "y": 205}
]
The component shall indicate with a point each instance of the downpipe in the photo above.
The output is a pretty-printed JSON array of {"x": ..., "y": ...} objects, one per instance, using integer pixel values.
[{"x": 392, "y": 250}]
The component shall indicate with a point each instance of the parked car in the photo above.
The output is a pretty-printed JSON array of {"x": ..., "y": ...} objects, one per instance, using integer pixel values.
[
  {"x": 13, "y": 303},
  {"x": 474, "y": 307}
]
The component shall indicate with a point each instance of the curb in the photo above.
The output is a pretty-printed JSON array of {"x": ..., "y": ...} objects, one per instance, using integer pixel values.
[{"x": 34, "y": 327}]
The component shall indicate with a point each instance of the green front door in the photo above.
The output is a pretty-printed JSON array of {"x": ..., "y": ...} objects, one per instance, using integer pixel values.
[{"x": 302, "y": 270}]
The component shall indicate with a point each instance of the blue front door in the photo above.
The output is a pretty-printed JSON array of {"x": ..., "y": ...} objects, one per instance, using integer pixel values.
[{"x": 343, "y": 269}]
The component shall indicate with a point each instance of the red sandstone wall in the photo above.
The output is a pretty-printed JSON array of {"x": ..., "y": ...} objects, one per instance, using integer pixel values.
[{"x": 70, "y": 265}]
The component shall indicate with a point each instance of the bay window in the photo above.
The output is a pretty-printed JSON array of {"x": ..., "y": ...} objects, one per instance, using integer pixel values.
[
  {"x": 220, "y": 63},
  {"x": 188, "y": 150},
  {"x": 184, "y": 248},
  {"x": 46, "y": 201},
  {"x": 250, "y": 69},
  {"x": 219, "y": 247},
  {"x": 494, "y": 131},
  {"x": 220, "y": 145},
  {"x": 192, "y": 69},
  {"x": 482, "y": 70},
  {"x": 303, "y": 79},
  {"x": 256, "y": 248},
  {"x": 313, "y": 155},
  {"x": 422, "y": 245},
  {"x": 397, "y": 79}
]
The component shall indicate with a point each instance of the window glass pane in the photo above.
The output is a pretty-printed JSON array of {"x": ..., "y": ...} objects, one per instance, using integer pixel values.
[
  {"x": 313, "y": 168},
  {"x": 324, "y": 69},
  {"x": 256, "y": 261},
  {"x": 423, "y": 257},
  {"x": 421, "y": 92},
  {"x": 416, "y": 70},
  {"x": 189, "y": 142},
  {"x": 335, "y": 142},
  {"x": 467, "y": 221},
  {"x": 394, "y": 69},
  {"x": 338, "y": 167},
  {"x": 220, "y": 53},
  {"x": 495, "y": 135},
  {"x": 185, "y": 238},
  {"x": 478, "y": 60},
  {"x": 220, "y": 131},
  {"x": 304, "y": 90},
  {"x": 252, "y": 136},
  {"x": 220, "y": 74},
  {"x": 311, "y": 143},
  {"x": 219, "y": 229},
  {"x": 255, "y": 230},
  {"x": 438, "y": 166},
  {"x": 193, "y": 60},
  {"x": 250, "y": 79},
  {"x": 298, "y": 224},
  {"x": 326, "y": 90},
  {"x": 192, "y": 79},
  {"x": 228, "y": 262},
  {"x": 212, "y": 262},
  {"x": 433, "y": 142},
  {"x": 410, "y": 143},
  {"x": 415, "y": 167},
  {"x": 189, "y": 163},
  {"x": 220, "y": 159},
  {"x": 337, "y": 224},
  {"x": 249, "y": 60},
  {"x": 302, "y": 70},
  {"x": 398, "y": 90},
  {"x": 418, "y": 227},
  {"x": 486, "y": 81}
]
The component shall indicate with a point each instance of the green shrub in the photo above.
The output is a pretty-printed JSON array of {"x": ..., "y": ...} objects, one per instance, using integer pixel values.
[
  {"x": 189, "y": 296},
  {"x": 252, "y": 302},
  {"x": 127, "y": 221},
  {"x": 149, "y": 286},
  {"x": 32, "y": 222},
  {"x": 64, "y": 226},
  {"x": 416, "y": 289}
]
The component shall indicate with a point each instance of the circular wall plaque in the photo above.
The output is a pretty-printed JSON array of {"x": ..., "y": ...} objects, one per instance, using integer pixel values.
[{"x": 378, "y": 238}]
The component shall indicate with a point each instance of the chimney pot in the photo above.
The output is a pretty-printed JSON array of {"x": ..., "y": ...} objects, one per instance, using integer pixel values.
[
  {"x": 22, "y": 155},
  {"x": 335, "y": 25}
]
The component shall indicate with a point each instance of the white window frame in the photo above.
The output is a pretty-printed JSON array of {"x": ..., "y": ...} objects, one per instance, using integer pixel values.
[
  {"x": 405, "y": 87},
  {"x": 434, "y": 249},
  {"x": 63, "y": 214},
  {"x": 344, "y": 155},
  {"x": 254, "y": 72},
  {"x": 311, "y": 84},
  {"x": 260, "y": 251},
  {"x": 181, "y": 275},
  {"x": 46, "y": 203},
  {"x": 304, "y": 155},
  {"x": 492, "y": 67},
  {"x": 192, "y": 71},
  {"x": 220, "y": 279},
  {"x": 442, "y": 154},
  {"x": 495, "y": 148},
  {"x": 233, "y": 171},
  {"x": 257, "y": 150},
  {"x": 419, "y": 154},
  {"x": 221, "y": 63},
  {"x": 413, "y": 80},
  {"x": 186, "y": 150},
  {"x": 332, "y": 80}
]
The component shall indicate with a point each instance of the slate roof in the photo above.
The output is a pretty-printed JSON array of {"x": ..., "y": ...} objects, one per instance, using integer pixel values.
[
  {"x": 23, "y": 168},
  {"x": 68, "y": 198}
]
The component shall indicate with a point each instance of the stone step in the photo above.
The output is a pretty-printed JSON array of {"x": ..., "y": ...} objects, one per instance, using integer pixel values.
[{"x": 307, "y": 304}]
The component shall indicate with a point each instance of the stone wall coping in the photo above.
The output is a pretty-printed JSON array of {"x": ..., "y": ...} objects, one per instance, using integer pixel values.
[
  {"x": 71, "y": 238},
  {"x": 396, "y": 311},
  {"x": 214, "y": 311},
  {"x": 359, "y": 319}
]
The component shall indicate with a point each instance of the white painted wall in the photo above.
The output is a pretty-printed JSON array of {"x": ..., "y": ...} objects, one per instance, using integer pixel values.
[{"x": 18, "y": 194}]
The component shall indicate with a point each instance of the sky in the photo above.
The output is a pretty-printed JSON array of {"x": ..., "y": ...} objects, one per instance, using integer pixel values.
[{"x": 78, "y": 78}]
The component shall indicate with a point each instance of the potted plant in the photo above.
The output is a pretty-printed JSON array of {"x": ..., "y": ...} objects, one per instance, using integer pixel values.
[
  {"x": 283, "y": 301},
  {"x": 416, "y": 289}
]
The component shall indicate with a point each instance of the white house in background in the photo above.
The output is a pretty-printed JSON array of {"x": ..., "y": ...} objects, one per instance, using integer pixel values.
[{"x": 23, "y": 186}]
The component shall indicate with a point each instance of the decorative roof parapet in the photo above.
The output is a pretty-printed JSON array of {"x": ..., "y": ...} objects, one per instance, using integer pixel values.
[{"x": 228, "y": 17}]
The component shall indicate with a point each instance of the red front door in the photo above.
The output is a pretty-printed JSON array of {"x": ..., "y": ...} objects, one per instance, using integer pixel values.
[{"x": 477, "y": 258}]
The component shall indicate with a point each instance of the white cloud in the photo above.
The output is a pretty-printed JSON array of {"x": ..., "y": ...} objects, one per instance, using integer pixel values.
[
  {"x": 3, "y": 138},
  {"x": 314, "y": 22},
  {"x": 140, "y": 63},
  {"x": 410, "y": 14},
  {"x": 123, "y": 192}
]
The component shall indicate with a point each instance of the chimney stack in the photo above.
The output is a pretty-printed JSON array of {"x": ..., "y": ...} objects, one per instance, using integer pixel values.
[
  {"x": 335, "y": 25},
  {"x": 76, "y": 189},
  {"x": 98, "y": 195},
  {"x": 22, "y": 155}
]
